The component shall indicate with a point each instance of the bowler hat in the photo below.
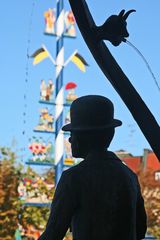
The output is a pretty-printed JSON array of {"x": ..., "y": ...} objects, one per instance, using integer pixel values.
[{"x": 92, "y": 112}]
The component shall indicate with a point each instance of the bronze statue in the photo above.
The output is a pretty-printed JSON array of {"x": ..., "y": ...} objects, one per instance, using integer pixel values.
[{"x": 100, "y": 198}]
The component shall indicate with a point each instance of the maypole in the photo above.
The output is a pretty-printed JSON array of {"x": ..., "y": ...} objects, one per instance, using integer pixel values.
[
  {"x": 63, "y": 25},
  {"x": 59, "y": 91}
]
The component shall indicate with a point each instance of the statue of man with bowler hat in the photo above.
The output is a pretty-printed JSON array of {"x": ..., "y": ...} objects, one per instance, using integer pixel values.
[{"x": 100, "y": 198}]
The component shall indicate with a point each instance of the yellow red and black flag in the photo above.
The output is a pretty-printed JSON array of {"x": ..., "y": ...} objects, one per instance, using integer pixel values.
[
  {"x": 39, "y": 55},
  {"x": 79, "y": 61}
]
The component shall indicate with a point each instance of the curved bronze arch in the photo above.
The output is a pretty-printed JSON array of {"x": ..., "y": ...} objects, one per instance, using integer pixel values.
[{"x": 116, "y": 76}]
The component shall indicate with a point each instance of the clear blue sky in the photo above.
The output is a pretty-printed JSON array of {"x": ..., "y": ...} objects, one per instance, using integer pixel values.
[{"x": 15, "y": 19}]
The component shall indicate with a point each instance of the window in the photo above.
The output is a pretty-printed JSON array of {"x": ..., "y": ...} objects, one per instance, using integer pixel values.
[{"x": 157, "y": 176}]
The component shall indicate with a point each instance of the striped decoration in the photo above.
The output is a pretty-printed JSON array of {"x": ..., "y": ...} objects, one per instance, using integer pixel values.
[{"x": 59, "y": 91}]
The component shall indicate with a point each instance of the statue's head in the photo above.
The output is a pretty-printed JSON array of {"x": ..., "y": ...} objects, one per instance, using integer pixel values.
[{"x": 92, "y": 124}]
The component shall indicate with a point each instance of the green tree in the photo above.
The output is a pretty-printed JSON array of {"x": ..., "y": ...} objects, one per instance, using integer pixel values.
[
  {"x": 37, "y": 216},
  {"x": 12, "y": 209},
  {"x": 9, "y": 205},
  {"x": 34, "y": 216}
]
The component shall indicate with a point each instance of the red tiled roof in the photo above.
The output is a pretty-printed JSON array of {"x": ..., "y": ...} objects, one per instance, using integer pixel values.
[
  {"x": 133, "y": 163},
  {"x": 152, "y": 162}
]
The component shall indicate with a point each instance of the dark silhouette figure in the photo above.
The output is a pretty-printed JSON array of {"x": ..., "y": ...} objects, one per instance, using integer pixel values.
[
  {"x": 100, "y": 198},
  {"x": 115, "y": 28}
]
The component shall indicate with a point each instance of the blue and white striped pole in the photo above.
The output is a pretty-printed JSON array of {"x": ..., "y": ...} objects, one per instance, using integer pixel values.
[{"x": 59, "y": 91}]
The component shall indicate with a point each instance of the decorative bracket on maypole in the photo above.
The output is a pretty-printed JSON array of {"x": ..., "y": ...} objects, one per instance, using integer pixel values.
[{"x": 114, "y": 30}]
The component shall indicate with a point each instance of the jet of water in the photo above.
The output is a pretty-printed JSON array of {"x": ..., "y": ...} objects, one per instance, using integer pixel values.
[{"x": 147, "y": 64}]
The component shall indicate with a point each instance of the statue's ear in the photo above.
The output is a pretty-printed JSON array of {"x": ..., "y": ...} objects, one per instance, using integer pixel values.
[{"x": 121, "y": 13}]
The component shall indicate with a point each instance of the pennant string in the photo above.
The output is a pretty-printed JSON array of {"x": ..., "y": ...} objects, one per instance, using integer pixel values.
[{"x": 27, "y": 73}]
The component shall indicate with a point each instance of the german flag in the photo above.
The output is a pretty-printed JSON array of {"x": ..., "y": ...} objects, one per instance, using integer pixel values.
[
  {"x": 79, "y": 61},
  {"x": 39, "y": 55}
]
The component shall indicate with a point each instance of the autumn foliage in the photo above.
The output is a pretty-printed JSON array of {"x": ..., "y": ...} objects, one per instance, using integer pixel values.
[{"x": 151, "y": 192}]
